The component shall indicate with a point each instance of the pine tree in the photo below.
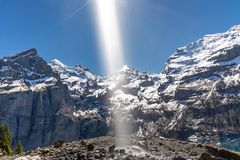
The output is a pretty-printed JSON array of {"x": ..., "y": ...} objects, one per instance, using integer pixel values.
[
  {"x": 5, "y": 140},
  {"x": 19, "y": 148}
]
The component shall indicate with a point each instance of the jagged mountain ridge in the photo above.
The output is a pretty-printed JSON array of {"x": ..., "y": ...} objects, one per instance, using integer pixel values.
[{"x": 196, "y": 97}]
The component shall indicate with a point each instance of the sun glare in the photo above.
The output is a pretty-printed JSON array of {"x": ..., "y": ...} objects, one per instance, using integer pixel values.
[{"x": 109, "y": 35}]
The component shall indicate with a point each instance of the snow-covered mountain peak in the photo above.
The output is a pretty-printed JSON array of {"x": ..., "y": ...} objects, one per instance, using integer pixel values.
[
  {"x": 126, "y": 68},
  {"x": 78, "y": 78},
  {"x": 206, "y": 52},
  {"x": 25, "y": 71},
  {"x": 211, "y": 43},
  {"x": 202, "y": 62},
  {"x": 57, "y": 63},
  {"x": 31, "y": 53},
  {"x": 235, "y": 28},
  {"x": 25, "y": 65},
  {"x": 78, "y": 70}
]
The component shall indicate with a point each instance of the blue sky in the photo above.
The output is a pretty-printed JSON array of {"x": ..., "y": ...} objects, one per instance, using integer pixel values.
[{"x": 151, "y": 29}]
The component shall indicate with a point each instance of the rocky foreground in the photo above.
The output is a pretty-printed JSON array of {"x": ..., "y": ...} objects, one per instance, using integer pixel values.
[{"x": 138, "y": 149}]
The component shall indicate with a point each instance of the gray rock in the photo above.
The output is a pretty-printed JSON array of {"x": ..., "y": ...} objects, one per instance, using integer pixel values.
[
  {"x": 205, "y": 156},
  {"x": 111, "y": 149}
]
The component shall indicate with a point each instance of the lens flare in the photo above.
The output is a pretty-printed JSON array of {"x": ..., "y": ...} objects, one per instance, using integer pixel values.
[{"x": 109, "y": 35}]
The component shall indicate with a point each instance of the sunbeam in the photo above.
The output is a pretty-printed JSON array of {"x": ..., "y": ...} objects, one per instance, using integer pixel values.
[
  {"x": 112, "y": 54},
  {"x": 109, "y": 35}
]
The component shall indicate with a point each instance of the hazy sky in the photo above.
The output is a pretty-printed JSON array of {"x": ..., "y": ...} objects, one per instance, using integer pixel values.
[{"x": 151, "y": 29}]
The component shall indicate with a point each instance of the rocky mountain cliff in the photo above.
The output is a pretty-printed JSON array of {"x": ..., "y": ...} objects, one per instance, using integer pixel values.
[
  {"x": 195, "y": 97},
  {"x": 37, "y": 104}
]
